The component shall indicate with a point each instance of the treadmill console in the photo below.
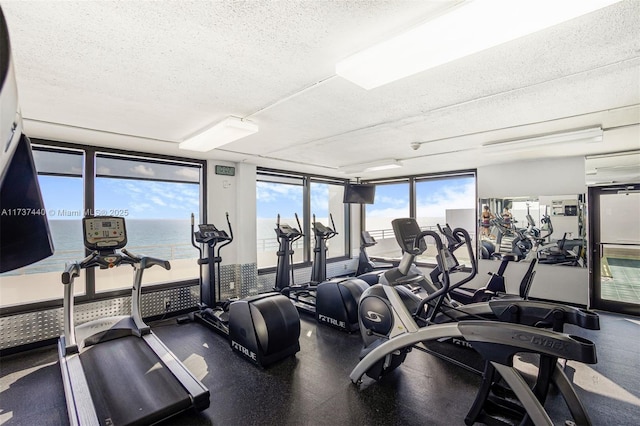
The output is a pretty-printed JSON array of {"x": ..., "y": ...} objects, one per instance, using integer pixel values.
[
  {"x": 406, "y": 231},
  {"x": 104, "y": 232}
]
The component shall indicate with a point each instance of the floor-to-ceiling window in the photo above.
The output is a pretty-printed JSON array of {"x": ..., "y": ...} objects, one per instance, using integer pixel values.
[
  {"x": 447, "y": 200},
  {"x": 60, "y": 176},
  {"x": 391, "y": 202},
  {"x": 156, "y": 198},
  {"x": 432, "y": 200},
  {"x": 328, "y": 209},
  {"x": 278, "y": 198},
  {"x": 296, "y": 199},
  {"x": 154, "y": 194}
]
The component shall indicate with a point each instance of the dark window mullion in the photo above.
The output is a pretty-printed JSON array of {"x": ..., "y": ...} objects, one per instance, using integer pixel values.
[
  {"x": 89, "y": 205},
  {"x": 306, "y": 207}
]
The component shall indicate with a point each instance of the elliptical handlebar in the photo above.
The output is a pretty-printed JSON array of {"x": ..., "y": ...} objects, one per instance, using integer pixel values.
[
  {"x": 441, "y": 293},
  {"x": 466, "y": 239},
  {"x": 333, "y": 226},
  {"x": 454, "y": 240},
  {"x": 326, "y": 232},
  {"x": 230, "y": 233},
  {"x": 193, "y": 236},
  {"x": 299, "y": 226}
]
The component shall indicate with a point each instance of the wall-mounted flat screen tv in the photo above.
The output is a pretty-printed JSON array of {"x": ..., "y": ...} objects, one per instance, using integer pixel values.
[{"x": 359, "y": 193}]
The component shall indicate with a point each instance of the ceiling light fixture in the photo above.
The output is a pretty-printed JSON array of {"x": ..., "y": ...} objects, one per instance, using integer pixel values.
[
  {"x": 228, "y": 130},
  {"x": 371, "y": 167},
  {"x": 467, "y": 29},
  {"x": 585, "y": 135}
]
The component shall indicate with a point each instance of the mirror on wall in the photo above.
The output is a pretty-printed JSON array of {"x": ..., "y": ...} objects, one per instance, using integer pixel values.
[{"x": 548, "y": 228}]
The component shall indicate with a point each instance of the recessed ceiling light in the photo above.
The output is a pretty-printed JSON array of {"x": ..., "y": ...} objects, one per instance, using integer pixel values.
[{"x": 228, "y": 130}]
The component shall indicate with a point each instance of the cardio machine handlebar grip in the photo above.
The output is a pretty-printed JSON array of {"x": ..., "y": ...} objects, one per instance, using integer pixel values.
[
  {"x": 148, "y": 262},
  {"x": 71, "y": 271},
  {"x": 133, "y": 257}
]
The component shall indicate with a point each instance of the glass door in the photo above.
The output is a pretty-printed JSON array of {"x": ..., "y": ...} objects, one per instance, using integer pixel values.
[{"x": 615, "y": 248}]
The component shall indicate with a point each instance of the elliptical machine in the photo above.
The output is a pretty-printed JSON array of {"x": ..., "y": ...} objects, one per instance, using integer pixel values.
[
  {"x": 333, "y": 302},
  {"x": 264, "y": 328},
  {"x": 394, "y": 320},
  {"x": 495, "y": 287},
  {"x": 321, "y": 234},
  {"x": 368, "y": 271},
  {"x": 364, "y": 262}
]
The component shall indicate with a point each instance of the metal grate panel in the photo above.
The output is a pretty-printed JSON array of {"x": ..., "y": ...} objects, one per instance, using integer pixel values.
[
  {"x": 303, "y": 275},
  {"x": 33, "y": 327}
]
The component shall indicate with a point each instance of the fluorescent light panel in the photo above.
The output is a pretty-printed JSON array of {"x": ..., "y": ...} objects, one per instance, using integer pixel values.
[
  {"x": 372, "y": 167},
  {"x": 228, "y": 130},
  {"x": 585, "y": 136},
  {"x": 467, "y": 29}
]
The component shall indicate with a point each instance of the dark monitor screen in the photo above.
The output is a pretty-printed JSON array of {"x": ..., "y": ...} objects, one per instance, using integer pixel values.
[
  {"x": 359, "y": 193},
  {"x": 25, "y": 237}
]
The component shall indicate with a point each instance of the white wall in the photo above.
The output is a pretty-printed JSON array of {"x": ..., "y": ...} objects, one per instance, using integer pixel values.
[
  {"x": 538, "y": 178},
  {"x": 236, "y": 195},
  {"x": 355, "y": 229},
  {"x": 462, "y": 218},
  {"x": 552, "y": 176}
]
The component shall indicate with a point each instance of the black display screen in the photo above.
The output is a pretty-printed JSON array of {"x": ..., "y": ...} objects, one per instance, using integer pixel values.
[
  {"x": 25, "y": 236},
  {"x": 359, "y": 193}
]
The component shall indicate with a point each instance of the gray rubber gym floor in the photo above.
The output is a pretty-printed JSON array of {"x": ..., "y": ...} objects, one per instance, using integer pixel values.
[{"x": 313, "y": 388}]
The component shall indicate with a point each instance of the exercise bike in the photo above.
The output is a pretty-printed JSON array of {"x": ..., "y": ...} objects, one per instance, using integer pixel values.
[{"x": 264, "y": 328}]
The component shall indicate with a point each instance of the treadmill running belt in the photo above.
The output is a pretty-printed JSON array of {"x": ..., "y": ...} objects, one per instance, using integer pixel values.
[{"x": 129, "y": 384}]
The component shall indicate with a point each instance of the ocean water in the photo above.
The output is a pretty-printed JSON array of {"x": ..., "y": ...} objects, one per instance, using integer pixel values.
[
  {"x": 166, "y": 239},
  {"x": 162, "y": 238}
]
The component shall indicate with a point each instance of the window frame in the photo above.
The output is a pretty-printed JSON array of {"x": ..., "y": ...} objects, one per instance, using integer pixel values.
[
  {"x": 89, "y": 175},
  {"x": 263, "y": 174},
  {"x": 412, "y": 180}
]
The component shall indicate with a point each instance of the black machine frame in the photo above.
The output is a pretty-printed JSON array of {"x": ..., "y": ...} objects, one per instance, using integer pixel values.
[
  {"x": 105, "y": 354},
  {"x": 263, "y": 328}
]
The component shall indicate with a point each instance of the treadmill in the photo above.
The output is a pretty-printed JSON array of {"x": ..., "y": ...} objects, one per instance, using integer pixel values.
[{"x": 115, "y": 370}]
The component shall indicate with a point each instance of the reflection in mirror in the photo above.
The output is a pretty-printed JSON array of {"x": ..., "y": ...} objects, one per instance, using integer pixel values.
[{"x": 550, "y": 229}]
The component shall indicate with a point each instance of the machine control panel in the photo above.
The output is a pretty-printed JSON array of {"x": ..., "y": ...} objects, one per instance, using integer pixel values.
[
  {"x": 321, "y": 229},
  {"x": 288, "y": 231},
  {"x": 207, "y": 232},
  {"x": 104, "y": 232}
]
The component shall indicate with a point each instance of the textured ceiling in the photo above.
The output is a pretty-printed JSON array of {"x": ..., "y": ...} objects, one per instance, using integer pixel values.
[{"x": 145, "y": 75}]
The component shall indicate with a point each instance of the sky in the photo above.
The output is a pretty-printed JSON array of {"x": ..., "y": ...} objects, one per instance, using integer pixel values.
[
  {"x": 141, "y": 199},
  {"x": 137, "y": 199},
  {"x": 286, "y": 199},
  {"x": 434, "y": 197}
]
